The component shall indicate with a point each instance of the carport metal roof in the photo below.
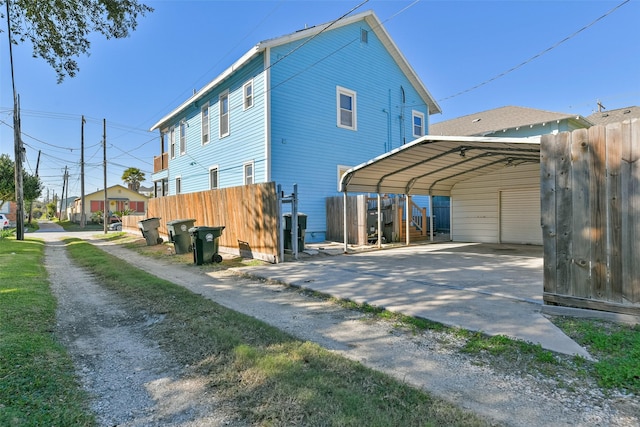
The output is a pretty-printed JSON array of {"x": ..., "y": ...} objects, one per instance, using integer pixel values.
[{"x": 432, "y": 165}]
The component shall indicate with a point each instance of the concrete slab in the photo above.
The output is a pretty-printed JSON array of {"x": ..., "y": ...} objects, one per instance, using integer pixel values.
[{"x": 495, "y": 289}]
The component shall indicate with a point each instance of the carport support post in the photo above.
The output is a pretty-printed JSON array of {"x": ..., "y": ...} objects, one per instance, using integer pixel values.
[
  {"x": 344, "y": 220},
  {"x": 407, "y": 215},
  {"x": 379, "y": 221},
  {"x": 431, "y": 218}
]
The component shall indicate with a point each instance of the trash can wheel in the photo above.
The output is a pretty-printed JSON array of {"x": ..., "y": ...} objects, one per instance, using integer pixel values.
[
  {"x": 217, "y": 258},
  {"x": 159, "y": 240}
]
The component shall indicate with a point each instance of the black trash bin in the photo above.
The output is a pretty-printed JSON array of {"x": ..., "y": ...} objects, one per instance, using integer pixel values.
[
  {"x": 204, "y": 242},
  {"x": 149, "y": 228},
  {"x": 179, "y": 234},
  {"x": 288, "y": 225}
]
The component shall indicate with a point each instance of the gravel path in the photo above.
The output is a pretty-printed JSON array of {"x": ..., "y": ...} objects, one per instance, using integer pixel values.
[{"x": 135, "y": 384}]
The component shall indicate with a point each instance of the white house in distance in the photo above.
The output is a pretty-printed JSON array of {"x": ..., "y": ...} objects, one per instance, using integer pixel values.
[{"x": 297, "y": 109}]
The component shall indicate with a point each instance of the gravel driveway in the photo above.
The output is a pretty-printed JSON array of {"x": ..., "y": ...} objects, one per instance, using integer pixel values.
[{"x": 133, "y": 383}]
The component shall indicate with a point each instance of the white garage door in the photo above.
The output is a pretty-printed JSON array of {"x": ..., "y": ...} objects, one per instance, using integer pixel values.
[{"x": 520, "y": 217}]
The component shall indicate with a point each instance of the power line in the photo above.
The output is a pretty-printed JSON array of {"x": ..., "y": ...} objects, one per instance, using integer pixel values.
[{"x": 536, "y": 56}]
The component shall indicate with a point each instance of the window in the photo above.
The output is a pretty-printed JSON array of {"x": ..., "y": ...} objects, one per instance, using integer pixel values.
[
  {"x": 248, "y": 173},
  {"x": 136, "y": 206},
  {"x": 213, "y": 177},
  {"x": 204, "y": 115},
  {"x": 224, "y": 114},
  {"x": 178, "y": 185},
  {"x": 346, "y": 106},
  {"x": 172, "y": 142},
  {"x": 364, "y": 36},
  {"x": 418, "y": 124},
  {"x": 247, "y": 91},
  {"x": 183, "y": 137}
]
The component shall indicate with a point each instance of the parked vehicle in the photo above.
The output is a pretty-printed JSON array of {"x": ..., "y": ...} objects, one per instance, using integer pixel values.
[
  {"x": 4, "y": 222},
  {"x": 115, "y": 226}
]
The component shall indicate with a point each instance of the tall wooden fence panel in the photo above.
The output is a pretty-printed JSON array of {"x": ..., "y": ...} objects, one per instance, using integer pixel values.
[
  {"x": 356, "y": 219},
  {"x": 248, "y": 213},
  {"x": 590, "y": 204}
]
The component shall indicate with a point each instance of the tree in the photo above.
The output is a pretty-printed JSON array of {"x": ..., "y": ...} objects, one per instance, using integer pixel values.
[
  {"x": 59, "y": 29},
  {"x": 32, "y": 186},
  {"x": 133, "y": 177}
]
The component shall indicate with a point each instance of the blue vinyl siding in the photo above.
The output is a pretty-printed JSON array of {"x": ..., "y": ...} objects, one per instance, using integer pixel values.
[
  {"x": 245, "y": 142},
  {"x": 307, "y": 144}
]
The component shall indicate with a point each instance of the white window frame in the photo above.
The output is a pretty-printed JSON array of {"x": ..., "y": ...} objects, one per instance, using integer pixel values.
[
  {"x": 247, "y": 177},
  {"x": 415, "y": 114},
  {"x": 172, "y": 142},
  {"x": 217, "y": 170},
  {"x": 222, "y": 116},
  {"x": 354, "y": 115},
  {"x": 183, "y": 136},
  {"x": 178, "y": 184},
  {"x": 247, "y": 100},
  {"x": 204, "y": 123}
]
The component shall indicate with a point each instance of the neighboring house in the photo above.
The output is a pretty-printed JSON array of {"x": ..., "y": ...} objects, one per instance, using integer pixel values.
[
  {"x": 9, "y": 209},
  {"x": 64, "y": 206},
  {"x": 510, "y": 121},
  {"x": 146, "y": 191},
  {"x": 612, "y": 116},
  {"x": 119, "y": 198},
  {"x": 298, "y": 109}
]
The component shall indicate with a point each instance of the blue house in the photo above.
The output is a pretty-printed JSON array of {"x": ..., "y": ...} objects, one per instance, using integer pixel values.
[{"x": 297, "y": 109}]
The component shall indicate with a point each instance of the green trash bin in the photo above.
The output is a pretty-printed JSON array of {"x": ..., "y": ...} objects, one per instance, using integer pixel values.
[
  {"x": 178, "y": 230},
  {"x": 288, "y": 225},
  {"x": 149, "y": 228},
  {"x": 204, "y": 242}
]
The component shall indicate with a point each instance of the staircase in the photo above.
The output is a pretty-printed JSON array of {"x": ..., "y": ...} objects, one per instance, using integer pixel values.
[{"x": 419, "y": 227}]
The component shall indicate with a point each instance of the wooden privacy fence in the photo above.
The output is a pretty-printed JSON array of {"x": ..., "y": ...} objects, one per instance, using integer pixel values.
[
  {"x": 590, "y": 204},
  {"x": 356, "y": 219},
  {"x": 249, "y": 214}
]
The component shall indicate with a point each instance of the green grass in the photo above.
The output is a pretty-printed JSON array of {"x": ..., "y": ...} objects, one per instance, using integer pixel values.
[
  {"x": 269, "y": 377},
  {"x": 616, "y": 346},
  {"x": 37, "y": 382}
]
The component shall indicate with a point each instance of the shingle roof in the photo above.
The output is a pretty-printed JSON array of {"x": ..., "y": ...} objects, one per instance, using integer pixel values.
[
  {"x": 498, "y": 119},
  {"x": 613, "y": 116}
]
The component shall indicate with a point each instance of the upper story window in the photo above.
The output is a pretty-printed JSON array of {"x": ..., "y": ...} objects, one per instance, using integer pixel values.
[
  {"x": 248, "y": 173},
  {"x": 346, "y": 108},
  {"x": 172, "y": 142},
  {"x": 247, "y": 93},
  {"x": 213, "y": 178},
  {"x": 204, "y": 115},
  {"x": 183, "y": 136},
  {"x": 364, "y": 36},
  {"x": 418, "y": 124},
  {"x": 224, "y": 114}
]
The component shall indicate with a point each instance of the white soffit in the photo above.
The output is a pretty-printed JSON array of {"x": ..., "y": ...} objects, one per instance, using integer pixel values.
[{"x": 432, "y": 165}]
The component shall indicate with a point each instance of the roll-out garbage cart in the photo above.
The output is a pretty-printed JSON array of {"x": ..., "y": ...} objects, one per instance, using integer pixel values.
[
  {"x": 179, "y": 234},
  {"x": 204, "y": 241},
  {"x": 149, "y": 228},
  {"x": 288, "y": 225}
]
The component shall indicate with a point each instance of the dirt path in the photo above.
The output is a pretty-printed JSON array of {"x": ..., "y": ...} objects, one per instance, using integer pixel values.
[{"x": 135, "y": 384}]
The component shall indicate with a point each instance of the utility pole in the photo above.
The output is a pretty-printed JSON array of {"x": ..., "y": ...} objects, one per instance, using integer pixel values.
[
  {"x": 66, "y": 197},
  {"x": 64, "y": 183},
  {"x": 104, "y": 155},
  {"x": 31, "y": 203},
  {"x": 82, "y": 219}
]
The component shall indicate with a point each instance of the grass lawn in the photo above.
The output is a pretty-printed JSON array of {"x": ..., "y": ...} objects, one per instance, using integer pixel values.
[{"x": 37, "y": 382}]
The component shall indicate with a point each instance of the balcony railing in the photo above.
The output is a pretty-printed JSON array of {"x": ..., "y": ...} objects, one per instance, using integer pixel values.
[{"x": 160, "y": 162}]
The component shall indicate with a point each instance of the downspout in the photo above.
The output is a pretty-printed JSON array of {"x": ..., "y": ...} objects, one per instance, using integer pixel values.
[
  {"x": 267, "y": 116},
  {"x": 404, "y": 100}
]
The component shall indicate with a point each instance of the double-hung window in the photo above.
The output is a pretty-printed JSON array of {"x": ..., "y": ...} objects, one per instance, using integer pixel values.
[
  {"x": 418, "y": 123},
  {"x": 247, "y": 94},
  {"x": 204, "y": 115},
  {"x": 178, "y": 185},
  {"x": 183, "y": 137},
  {"x": 248, "y": 173},
  {"x": 213, "y": 177},
  {"x": 172, "y": 142},
  {"x": 224, "y": 114},
  {"x": 346, "y": 108}
]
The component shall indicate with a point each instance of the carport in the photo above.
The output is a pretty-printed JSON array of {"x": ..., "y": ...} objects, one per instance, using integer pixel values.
[{"x": 432, "y": 166}]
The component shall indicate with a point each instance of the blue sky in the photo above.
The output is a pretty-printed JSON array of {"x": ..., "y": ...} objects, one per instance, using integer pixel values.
[{"x": 453, "y": 46}]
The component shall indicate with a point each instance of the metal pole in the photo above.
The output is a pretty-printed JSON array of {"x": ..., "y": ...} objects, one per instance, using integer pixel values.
[
  {"x": 294, "y": 222},
  {"x": 280, "y": 227},
  {"x": 344, "y": 220},
  {"x": 407, "y": 214},
  {"x": 82, "y": 218},
  {"x": 105, "y": 212},
  {"x": 431, "y": 218},
  {"x": 379, "y": 221}
]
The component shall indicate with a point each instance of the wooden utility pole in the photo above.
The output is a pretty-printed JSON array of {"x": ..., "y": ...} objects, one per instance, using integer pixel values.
[
  {"x": 82, "y": 218},
  {"x": 104, "y": 152},
  {"x": 64, "y": 184},
  {"x": 65, "y": 197},
  {"x": 18, "y": 172},
  {"x": 31, "y": 202}
]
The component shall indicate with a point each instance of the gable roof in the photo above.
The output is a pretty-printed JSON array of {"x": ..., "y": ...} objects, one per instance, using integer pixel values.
[
  {"x": 498, "y": 119},
  {"x": 614, "y": 116},
  {"x": 368, "y": 16}
]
